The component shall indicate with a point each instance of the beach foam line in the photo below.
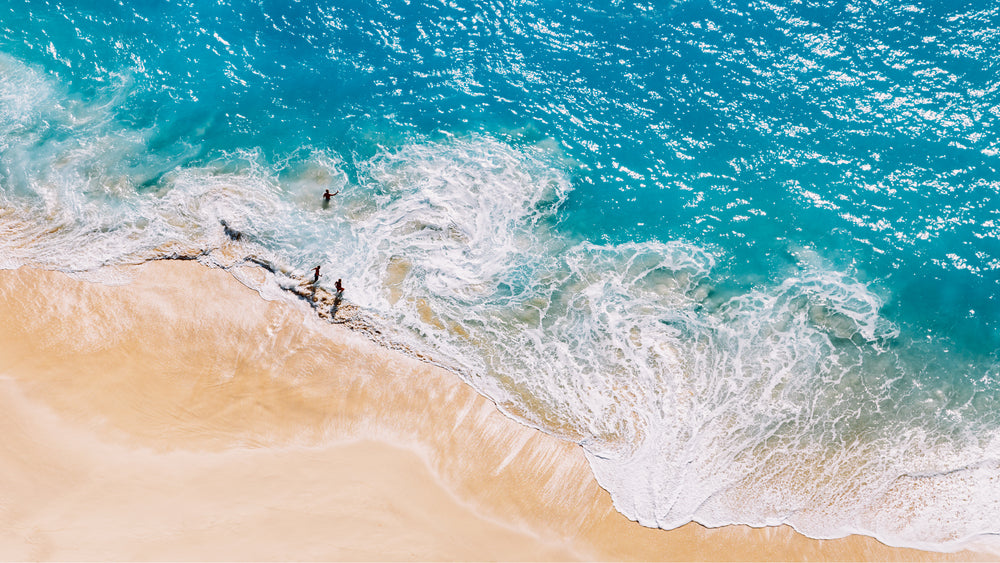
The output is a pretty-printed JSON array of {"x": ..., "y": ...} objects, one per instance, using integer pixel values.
[{"x": 181, "y": 416}]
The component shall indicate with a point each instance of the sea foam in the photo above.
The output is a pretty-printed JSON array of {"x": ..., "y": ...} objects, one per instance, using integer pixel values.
[{"x": 793, "y": 401}]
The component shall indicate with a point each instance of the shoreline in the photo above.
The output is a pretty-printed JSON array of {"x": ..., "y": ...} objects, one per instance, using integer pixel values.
[{"x": 182, "y": 416}]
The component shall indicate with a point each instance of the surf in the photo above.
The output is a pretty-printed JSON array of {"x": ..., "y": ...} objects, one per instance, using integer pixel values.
[{"x": 731, "y": 340}]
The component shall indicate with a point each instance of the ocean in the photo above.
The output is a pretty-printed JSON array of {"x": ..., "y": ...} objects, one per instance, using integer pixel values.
[{"x": 745, "y": 253}]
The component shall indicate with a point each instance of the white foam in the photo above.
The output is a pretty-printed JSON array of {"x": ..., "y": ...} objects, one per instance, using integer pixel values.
[
  {"x": 763, "y": 409},
  {"x": 787, "y": 403}
]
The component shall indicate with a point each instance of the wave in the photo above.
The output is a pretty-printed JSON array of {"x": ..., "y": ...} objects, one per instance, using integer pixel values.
[{"x": 792, "y": 402}]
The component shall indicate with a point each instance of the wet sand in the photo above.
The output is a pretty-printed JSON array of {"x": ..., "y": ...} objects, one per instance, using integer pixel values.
[{"x": 182, "y": 417}]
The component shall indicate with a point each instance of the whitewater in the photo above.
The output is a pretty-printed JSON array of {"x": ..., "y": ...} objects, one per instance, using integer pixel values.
[{"x": 744, "y": 253}]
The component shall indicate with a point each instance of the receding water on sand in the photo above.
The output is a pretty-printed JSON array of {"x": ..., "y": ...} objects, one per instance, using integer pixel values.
[
  {"x": 209, "y": 423},
  {"x": 743, "y": 254}
]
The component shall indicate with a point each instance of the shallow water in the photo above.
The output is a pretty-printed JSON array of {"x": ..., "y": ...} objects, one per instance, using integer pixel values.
[{"x": 743, "y": 252}]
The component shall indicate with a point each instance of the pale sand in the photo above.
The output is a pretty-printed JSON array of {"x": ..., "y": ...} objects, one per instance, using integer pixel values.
[{"x": 183, "y": 417}]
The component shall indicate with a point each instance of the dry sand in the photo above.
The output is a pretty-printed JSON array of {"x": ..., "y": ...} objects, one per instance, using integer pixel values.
[{"x": 182, "y": 417}]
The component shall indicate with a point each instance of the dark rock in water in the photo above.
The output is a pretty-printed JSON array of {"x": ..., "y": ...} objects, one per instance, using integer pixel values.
[{"x": 230, "y": 232}]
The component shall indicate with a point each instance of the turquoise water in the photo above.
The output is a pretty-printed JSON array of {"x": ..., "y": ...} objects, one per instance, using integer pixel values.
[{"x": 745, "y": 253}]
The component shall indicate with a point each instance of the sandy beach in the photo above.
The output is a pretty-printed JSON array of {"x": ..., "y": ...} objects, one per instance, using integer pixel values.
[{"x": 180, "y": 416}]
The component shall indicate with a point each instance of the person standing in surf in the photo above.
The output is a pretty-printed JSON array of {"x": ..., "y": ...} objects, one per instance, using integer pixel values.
[
  {"x": 326, "y": 197},
  {"x": 336, "y": 301}
]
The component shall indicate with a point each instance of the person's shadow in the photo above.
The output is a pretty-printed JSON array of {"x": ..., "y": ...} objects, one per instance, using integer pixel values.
[{"x": 336, "y": 304}]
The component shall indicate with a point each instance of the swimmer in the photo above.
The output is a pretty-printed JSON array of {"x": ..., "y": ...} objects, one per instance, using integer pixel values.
[
  {"x": 326, "y": 197},
  {"x": 316, "y": 274}
]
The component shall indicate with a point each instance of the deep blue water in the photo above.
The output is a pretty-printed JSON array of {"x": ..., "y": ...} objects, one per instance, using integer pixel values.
[{"x": 745, "y": 253}]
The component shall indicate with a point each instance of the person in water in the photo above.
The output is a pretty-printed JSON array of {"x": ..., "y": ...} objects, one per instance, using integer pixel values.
[
  {"x": 337, "y": 299},
  {"x": 326, "y": 197},
  {"x": 316, "y": 274}
]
